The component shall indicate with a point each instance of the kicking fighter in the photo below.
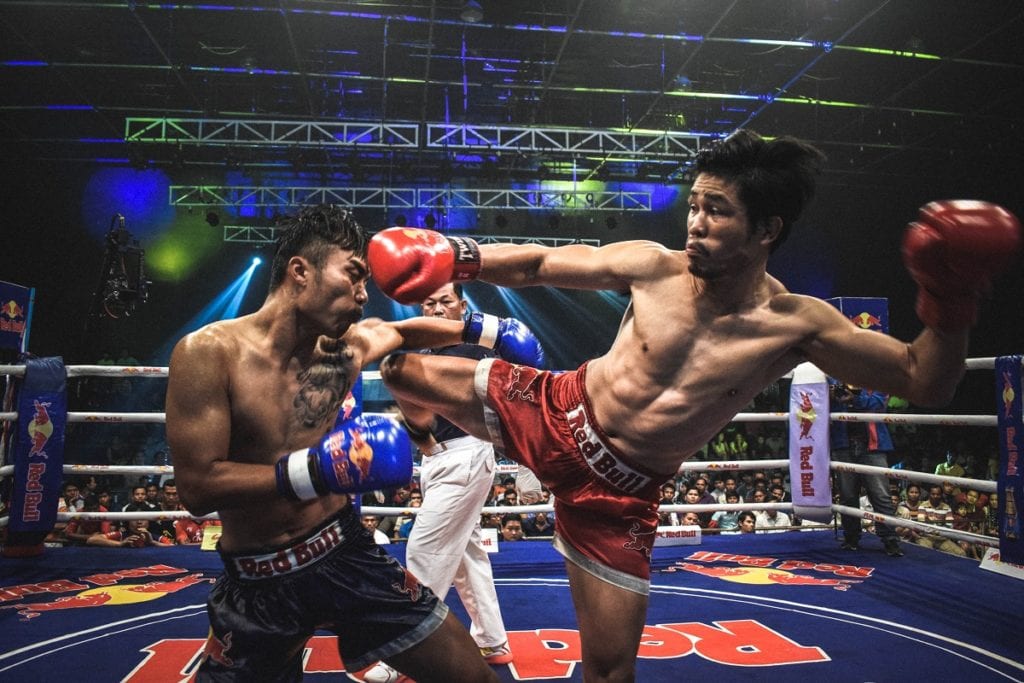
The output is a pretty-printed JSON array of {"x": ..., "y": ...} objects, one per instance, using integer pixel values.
[
  {"x": 706, "y": 330},
  {"x": 249, "y": 402}
]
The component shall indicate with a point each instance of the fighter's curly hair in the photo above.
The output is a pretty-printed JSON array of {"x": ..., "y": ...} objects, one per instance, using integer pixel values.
[
  {"x": 773, "y": 177},
  {"x": 312, "y": 233}
]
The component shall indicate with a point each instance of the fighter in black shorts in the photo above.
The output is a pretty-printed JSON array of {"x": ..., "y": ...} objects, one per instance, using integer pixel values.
[{"x": 251, "y": 421}]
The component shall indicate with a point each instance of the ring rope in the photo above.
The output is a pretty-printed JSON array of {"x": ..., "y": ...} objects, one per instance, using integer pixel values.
[
  {"x": 526, "y": 509},
  {"x": 980, "y": 485},
  {"x": 984, "y": 363},
  {"x": 887, "y": 418},
  {"x": 920, "y": 526}
]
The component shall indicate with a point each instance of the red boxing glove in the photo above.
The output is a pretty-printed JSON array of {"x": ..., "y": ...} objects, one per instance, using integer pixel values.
[
  {"x": 409, "y": 264},
  {"x": 953, "y": 251}
]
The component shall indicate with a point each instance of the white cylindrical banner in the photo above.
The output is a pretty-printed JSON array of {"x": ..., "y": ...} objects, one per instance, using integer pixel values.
[{"x": 809, "y": 444}]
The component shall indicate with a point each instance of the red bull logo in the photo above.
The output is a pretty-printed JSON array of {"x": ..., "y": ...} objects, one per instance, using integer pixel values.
[
  {"x": 640, "y": 541},
  {"x": 1008, "y": 395},
  {"x": 866, "y": 321},
  {"x": 217, "y": 649},
  {"x": 12, "y": 317},
  {"x": 354, "y": 451},
  {"x": 348, "y": 405},
  {"x": 39, "y": 429},
  {"x": 806, "y": 414},
  {"x": 410, "y": 585},
  {"x": 12, "y": 310},
  {"x": 763, "y": 571},
  {"x": 110, "y": 590},
  {"x": 540, "y": 654}
]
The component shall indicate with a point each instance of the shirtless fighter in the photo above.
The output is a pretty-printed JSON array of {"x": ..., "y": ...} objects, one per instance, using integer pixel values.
[
  {"x": 249, "y": 401},
  {"x": 706, "y": 330}
]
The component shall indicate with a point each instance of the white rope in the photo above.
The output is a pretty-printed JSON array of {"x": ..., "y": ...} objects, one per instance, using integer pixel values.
[
  {"x": 96, "y": 371},
  {"x": 701, "y": 465},
  {"x": 168, "y": 515},
  {"x": 982, "y": 485},
  {"x": 918, "y": 419},
  {"x": 887, "y": 418},
  {"x": 153, "y": 516},
  {"x": 920, "y": 526},
  {"x": 985, "y": 363}
]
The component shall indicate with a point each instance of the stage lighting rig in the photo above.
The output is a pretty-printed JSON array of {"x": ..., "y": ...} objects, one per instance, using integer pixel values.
[{"x": 123, "y": 284}]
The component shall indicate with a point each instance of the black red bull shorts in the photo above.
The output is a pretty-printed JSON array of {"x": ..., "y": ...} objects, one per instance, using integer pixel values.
[{"x": 267, "y": 605}]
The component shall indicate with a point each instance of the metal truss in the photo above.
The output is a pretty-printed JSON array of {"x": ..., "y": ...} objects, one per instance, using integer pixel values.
[
  {"x": 253, "y": 234},
  {"x": 218, "y": 195},
  {"x": 544, "y": 241},
  {"x": 637, "y": 144},
  {"x": 256, "y": 132},
  {"x": 534, "y": 199},
  {"x": 411, "y": 198}
]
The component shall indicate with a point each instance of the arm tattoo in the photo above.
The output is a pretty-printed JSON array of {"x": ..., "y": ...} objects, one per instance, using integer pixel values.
[{"x": 325, "y": 383}]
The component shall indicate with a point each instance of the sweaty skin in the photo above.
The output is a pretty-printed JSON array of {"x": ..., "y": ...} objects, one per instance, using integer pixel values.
[
  {"x": 707, "y": 329},
  {"x": 244, "y": 392}
]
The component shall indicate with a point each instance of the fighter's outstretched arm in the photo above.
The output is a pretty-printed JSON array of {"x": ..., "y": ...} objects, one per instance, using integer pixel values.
[
  {"x": 410, "y": 264},
  {"x": 372, "y": 339},
  {"x": 926, "y": 371},
  {"x": 574, "y": 266}
]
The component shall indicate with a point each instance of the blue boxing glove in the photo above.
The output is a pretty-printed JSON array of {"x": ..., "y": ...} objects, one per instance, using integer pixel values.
[
  {"x": 365, "y": 453},
  {"x": 511, "y": 339}
]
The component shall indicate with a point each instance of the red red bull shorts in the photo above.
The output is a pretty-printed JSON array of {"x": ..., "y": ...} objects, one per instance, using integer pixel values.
[
  {"x": 268, "y": 604},
  {"x": 606, "y": 506}
]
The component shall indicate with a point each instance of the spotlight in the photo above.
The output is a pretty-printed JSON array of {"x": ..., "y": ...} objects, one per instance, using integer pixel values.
[
  {"x": 212, "y": 219},
  {"x": 256, "y": 260},
  {"x": 472, "y": 12}
]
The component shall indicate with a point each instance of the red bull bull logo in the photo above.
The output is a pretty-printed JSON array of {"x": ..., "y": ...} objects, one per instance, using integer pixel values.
[
  {"x": 410, "y": 585},
  {"x": 770, "y": 571},
  {"x": 866, "y": 321},
  {"x": 12, "y": 317},
  {"x": 1008, "y": 395},
  {"x": 39, "y": 429},
  {"x": 806, "y": 414},
  {"x": 348, "y": 405},
  {"x": 110, "y": 589},
  {"x": 12, "y": 310}
]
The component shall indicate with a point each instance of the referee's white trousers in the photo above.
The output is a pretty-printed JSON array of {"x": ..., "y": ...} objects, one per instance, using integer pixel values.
[{"x": 445, "y": 545}]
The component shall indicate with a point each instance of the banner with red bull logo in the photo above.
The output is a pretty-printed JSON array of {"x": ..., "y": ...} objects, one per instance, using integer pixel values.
[
  {"x": 1011, "y": 438},
  {"x": 39, "y": 447},
  {"x": 809, "y": 444},
  {"x": 15, "y": 315},
  {"x": 867, "y": 313}
]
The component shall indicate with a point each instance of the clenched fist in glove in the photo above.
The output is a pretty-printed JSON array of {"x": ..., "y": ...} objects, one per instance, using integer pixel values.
[
  {"x": 362, "y": 454},
  {"x": 953, "y": 251},
  {"x": 511, "y": 339},
  {"x": 409, "y": 264}
]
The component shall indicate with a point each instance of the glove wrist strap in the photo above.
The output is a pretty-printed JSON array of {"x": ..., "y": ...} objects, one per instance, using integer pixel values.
[
  {"x": 467, "y": 258},
  {"x": 298, "y": 477}
]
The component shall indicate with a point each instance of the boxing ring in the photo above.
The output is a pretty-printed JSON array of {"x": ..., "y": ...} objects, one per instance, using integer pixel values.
[{"x": 767, "y": 606}]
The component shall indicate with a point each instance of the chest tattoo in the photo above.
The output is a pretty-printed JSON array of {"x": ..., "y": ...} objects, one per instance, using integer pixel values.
[{"x": 324, "y": 384}]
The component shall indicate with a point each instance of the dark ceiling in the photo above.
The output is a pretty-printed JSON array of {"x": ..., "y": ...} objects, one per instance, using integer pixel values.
[{"x": 890, "y": 89}]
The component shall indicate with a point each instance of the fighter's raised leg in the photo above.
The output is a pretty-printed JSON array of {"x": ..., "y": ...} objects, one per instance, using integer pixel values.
[{"x": 424, "y": 385}]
